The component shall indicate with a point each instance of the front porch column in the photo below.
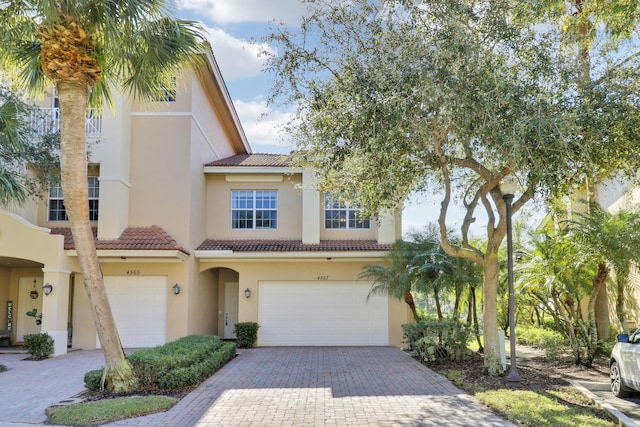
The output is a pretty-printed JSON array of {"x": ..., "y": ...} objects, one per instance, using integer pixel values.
[{"x": 55, "y": 308}]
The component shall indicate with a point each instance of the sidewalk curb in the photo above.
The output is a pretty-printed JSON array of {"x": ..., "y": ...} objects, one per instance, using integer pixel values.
[{"x": 618, "y": 416}]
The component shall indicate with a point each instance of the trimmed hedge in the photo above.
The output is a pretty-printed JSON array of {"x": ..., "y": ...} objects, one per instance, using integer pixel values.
[
  {"x": 246, "y": 334},
  {"x": 39, "y": 346},
  {"x": 181, "y": 363}
]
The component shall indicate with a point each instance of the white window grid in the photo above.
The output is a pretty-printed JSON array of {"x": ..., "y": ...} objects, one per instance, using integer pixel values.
[
  {"x": 254, "y": 209},
  {"x": 57, "y": 211},
  {"x": 342, "y": 216}
]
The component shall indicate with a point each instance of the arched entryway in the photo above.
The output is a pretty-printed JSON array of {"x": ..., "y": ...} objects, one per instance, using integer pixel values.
[
  {"x": 228, "y": 295},
  {"x": 32, "y": 261}
]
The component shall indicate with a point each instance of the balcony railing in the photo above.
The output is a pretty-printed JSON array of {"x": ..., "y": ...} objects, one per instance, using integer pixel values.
[{"x": 47, "y": 120}]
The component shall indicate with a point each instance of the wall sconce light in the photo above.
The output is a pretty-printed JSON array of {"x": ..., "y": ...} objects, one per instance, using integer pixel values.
[
  {"x": 176, "y": 289},
  {"x": 247, "y": 292},
  {"x": 47, "y": 289}
]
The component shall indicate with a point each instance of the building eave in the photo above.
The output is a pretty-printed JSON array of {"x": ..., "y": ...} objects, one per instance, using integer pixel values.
[
  {"x": 205, "y": 255},
  {"x": 136, "y": 255}
]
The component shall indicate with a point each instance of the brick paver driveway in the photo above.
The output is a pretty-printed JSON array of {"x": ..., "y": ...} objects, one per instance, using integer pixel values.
[
  {"x": 283, "y": 386},
  {"x": 324, "y": 386}
]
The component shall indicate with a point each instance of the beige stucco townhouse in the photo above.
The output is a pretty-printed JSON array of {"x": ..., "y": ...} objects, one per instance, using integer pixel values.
[{"x": 194, "y": 233}]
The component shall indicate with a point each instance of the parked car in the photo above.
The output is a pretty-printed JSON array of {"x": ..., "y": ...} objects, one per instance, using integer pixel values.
[{"x": 624, "y": 367}]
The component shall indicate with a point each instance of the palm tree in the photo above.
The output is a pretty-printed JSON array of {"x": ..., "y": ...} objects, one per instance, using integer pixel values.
[
  {"x": 14, "y": 139},
  {"x": 395, "y": 277},
  {"x": 613, "y": 241},
  {"x": 84, "y": 48}
]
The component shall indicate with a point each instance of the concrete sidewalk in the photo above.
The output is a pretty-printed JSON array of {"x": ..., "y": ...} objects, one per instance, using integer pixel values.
[{"x": 286, "y": 386}]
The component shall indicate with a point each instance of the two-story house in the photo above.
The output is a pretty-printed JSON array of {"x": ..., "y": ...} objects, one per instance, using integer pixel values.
[{"x": 194, "y": 233}]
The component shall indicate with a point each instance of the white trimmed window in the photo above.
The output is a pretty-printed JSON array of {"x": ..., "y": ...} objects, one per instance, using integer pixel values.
[
  {"x": 57, "y": 211},
  {"x": 343, "y": 216},
  {"x": 254, "y": 209}
]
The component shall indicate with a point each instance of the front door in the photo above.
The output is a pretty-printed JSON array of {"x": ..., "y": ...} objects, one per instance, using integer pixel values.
[
  {"x": 230, "y": 309},
  {"x": 28, "y": 315}
]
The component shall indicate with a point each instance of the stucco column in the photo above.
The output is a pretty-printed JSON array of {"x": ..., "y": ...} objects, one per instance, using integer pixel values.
[
  {"x": 55, "y": 308},
  {"x": 387, "y": 230},
  {"x": 310, "y": 209}
]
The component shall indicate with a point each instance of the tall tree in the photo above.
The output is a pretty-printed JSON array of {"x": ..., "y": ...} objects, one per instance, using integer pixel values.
[
  {"x": 404, "y": 96},
  {"x": 85, "y": 49}
]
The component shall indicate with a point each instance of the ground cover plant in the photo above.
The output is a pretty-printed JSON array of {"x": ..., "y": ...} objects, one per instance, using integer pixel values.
[
  {"x": 166, "y": 374},
  {"x": 102, "y": 411},
  {"x": 545, "y": 397}
]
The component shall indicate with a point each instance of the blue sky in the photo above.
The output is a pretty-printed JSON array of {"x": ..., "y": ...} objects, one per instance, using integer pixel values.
[{"x": 232, "y": 25}]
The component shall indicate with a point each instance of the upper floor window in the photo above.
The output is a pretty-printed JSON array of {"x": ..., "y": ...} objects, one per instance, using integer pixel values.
[
  {"x": 57, "y": 211},
  {"x": 254, "y": 209},
  {"x": 342, "y": 216}
]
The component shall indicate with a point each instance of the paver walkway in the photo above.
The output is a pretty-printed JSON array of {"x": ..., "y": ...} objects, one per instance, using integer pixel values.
[{"x": 297, "y": 386}]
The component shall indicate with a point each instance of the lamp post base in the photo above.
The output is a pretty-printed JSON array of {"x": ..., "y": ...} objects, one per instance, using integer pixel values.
[{"x": 513, "y": 379}]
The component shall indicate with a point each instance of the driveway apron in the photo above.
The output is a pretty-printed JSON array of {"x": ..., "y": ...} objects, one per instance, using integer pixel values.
[
  {"x": 268, "y": 386},
  {"x": 324, "y": 386}
]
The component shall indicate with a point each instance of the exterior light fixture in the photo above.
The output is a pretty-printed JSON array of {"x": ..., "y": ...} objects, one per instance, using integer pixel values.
[
  {"x": 176, "y": 289},
  {"x": 47, "y": 289},
  {"x": 508, "y": 189},
  {"x": 247, "y": 293}
]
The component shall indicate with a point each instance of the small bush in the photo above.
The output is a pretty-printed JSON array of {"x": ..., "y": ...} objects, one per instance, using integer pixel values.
[
  {"x": 552, "y": 342},
  {"x": 39, "y": 346},
  {"x": 433, "y": 341},
  {"x": 93, "y": 380},
  {"x": 3, "y": 368},
  {"x": 246, "y": 334},
  {"x": 184, "y": 362}
]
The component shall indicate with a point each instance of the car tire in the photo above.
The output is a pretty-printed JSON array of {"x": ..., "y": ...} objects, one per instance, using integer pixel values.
[{"x": 617, "y": 387}]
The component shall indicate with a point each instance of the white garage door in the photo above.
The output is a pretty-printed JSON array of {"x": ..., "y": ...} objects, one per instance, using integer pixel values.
[
  {"x": 139, "y": 305},
  {"x": 321, "y": 313}
]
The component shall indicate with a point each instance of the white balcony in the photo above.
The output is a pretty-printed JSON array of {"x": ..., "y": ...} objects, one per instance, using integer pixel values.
[{"x": 47, "y": 120}]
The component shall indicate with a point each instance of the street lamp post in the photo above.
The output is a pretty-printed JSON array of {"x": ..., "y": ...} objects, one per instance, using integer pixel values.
[{"x": 507, "y": 188}]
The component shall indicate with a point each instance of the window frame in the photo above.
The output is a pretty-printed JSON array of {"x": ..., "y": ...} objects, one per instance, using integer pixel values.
[
  {"x": 343, "y": 214},
  {"x": 251, "y": 209},
  {"x": 57, "y": 199}
]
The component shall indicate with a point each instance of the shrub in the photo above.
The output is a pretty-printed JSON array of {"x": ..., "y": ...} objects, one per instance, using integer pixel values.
[
  {"x": 93, "y": 380},
  {"x": 552, "y": 342},
  {"x": 3, "y": 368},
  {"x": 39, "y": 346},
  {"x": 433, "y": 340},
  {"x": 246, "y": 334},
  {"x": 184, "y": 362}
]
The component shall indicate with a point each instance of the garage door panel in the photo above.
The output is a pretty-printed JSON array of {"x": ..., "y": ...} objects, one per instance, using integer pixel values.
[
  {"x": 327, "y": 313},
  {"x": 139, "y": 306}
]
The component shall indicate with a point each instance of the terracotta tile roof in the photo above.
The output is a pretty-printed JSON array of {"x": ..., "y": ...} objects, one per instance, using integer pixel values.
[
  {"x": 133, "y": 238},
  {"x": 292, "y": 246},
  {"x": 257, "y": 159}
]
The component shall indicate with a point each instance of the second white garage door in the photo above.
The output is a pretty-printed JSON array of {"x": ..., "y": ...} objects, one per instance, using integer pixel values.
[
  {"x": 321, "y": 313},
  {"x": 139, "y": 305}
]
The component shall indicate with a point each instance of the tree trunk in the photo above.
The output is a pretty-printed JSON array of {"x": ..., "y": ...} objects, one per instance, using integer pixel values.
[
  {"x": 603, "y": 322},
  {"x": 476, "y": 327},
  {"x": 118, "y": 376},
  {"x": 492, "y": 361},
  {"x": 598, "y": 287},
  {"x": 621, "y": 311},
  {"x": 436, "y": 297},
  {"x": 408, "y": 298}
]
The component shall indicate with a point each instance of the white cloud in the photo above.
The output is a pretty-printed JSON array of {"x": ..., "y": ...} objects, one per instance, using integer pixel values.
[
  {"x": 237, "y": 58},
  {"x": 262, "y": 126},
  {"x": 237, "y": 11}
]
